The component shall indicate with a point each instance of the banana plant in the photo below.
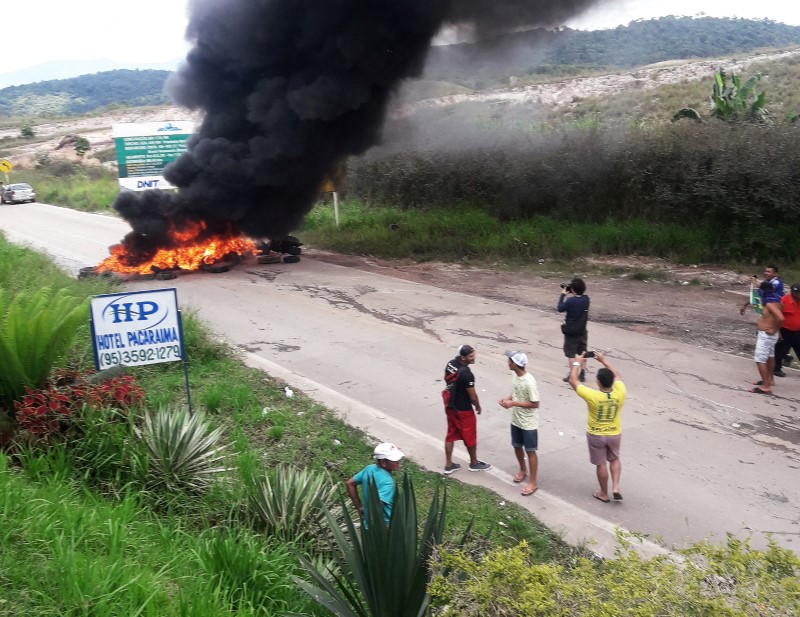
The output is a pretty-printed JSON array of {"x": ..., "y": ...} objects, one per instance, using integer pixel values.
[{"x": 733, "y": 101}]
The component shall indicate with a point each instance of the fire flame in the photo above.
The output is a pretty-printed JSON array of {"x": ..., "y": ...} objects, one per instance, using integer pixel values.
[{"x": 188, "y": 252}]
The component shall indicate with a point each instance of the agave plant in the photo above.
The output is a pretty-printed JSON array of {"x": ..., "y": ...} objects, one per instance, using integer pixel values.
[
  {"x": 36, "y": 330},
  {"x": 184, "y": 453},
  {"x": 291, "y": 504},
  {"x": 387, "y": 567}
]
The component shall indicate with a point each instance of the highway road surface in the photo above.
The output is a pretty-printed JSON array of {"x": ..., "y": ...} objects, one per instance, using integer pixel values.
[{"x": 701, "y": 456}]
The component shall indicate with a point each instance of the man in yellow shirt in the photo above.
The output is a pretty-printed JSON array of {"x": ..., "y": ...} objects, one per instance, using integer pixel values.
[{"x": 603, "y": 431}]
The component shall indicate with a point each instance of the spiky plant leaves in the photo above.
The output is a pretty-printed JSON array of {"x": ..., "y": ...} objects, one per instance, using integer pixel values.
[
  {"x": 184, "y": 453},
  {"x": 36, "y": 330},
  {"x": 387, "y": 566},
  {"x": 291, "y": 504}
]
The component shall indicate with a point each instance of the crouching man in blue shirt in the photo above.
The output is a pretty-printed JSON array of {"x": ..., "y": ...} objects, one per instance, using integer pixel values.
[{"x": 387, "y": 461}]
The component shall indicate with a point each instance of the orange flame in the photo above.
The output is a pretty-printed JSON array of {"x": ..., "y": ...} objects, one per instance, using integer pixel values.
[{"x": 189, "y": 253}]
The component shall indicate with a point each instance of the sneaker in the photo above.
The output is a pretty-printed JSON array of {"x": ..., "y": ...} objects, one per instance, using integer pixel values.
[
  {"x": 450, "y": 469},
  {"x": 779, "y": 373},
  {"x": 582, "y": 376},
  {"x": 479, "y": 466}
]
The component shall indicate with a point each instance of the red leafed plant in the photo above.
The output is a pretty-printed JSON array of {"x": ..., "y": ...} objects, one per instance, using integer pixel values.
[
  {"x": 45, "y": 413},
  {"x": 41, "y": 412}
]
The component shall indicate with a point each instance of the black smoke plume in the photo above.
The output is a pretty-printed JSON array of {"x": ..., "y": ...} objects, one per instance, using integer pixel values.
[{"x": 290, "y": 89}]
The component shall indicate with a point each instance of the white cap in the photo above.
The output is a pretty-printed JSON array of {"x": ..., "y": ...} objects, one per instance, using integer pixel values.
[
  {"x": 517, "y": 357},
  {"x": 389, "y": 451}
]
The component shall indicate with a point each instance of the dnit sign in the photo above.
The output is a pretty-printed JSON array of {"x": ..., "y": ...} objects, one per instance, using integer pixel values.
[{"x": 136, "y": 328}]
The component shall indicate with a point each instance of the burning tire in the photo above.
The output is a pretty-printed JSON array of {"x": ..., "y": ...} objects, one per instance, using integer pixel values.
[
  {"x": 291, "y": 259},
  {"x": 216, "y": 268},
  {"x": 87, "y": 272}
]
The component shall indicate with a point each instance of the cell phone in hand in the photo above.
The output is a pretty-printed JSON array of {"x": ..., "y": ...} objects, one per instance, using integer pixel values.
[{"x": 589, "y": 354}]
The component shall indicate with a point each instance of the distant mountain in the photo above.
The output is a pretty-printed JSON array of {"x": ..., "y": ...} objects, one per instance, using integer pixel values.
[
  {"x": 64, "y": 69},
  {"x": 490, "y": 63},
  {"x": 87, "y": 93}
]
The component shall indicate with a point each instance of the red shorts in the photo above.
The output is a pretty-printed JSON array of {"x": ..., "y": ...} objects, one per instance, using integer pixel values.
[{"x": 462, "y": 425}]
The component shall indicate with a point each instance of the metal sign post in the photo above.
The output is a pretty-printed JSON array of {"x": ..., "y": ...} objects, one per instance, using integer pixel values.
[{"x": 336, "y": 207}]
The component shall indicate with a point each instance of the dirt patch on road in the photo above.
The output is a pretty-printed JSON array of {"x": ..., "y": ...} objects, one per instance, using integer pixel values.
[{"x": 697, "y": 305}]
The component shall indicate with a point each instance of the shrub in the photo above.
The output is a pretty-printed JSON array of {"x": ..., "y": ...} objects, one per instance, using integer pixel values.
[
  {"x": 46, "y": 414},
  {"x": 729, "y": 580},
  {"x": 36, "y": 330},
  {"x": 184, "y": 453},
  {"x": 82, "y": 146},
  {"x": 290, "y": 504},
  {"x": 387, "y": 567}
]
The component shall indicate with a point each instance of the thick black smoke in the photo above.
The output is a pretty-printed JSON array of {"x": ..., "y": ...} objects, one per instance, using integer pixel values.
[{"x": 289, "y": 89}]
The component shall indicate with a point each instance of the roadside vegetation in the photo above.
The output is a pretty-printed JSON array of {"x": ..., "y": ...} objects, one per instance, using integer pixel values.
[
  {"x": 82, "y": 187},
  {"x": 114, "y": 500},
  {"x": 101, "y": 517}
]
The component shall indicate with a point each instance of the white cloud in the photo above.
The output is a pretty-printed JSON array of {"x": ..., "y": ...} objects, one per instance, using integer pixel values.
[{"x": 142, "y": 31}]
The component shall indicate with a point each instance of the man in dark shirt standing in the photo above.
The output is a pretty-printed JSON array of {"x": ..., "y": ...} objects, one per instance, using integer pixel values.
[
  {"x": 575, "y": 304},
  {"x": 460, "y": 410}
]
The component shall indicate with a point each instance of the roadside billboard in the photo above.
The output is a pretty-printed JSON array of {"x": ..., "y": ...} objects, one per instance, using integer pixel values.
[
  {"x": 145, "y": 148},
  {"x": 136, "y": 328}
]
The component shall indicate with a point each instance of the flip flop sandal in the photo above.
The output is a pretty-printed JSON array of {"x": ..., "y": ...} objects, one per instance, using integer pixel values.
[
  {"x": 520, "y": 477},
  {"x": 598, "y": 498},
  {"x": 758, "y": 390},
  {"x": 526, "y": 491}
]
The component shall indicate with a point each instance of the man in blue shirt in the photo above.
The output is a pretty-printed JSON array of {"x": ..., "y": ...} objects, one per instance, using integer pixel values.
[{"x": 387, "y": 461}]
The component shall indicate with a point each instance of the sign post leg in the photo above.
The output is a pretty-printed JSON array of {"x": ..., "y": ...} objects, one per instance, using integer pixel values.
[
  {"x": 336, "y": 207},
  {"x": 186, "y": 379}
]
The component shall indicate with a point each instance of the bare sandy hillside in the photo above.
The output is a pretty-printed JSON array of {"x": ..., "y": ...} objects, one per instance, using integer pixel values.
[{"x": 566, "y": 92}]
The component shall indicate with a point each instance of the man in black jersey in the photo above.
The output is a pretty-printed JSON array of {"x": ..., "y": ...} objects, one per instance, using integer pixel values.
[{"x": 461, "y": 405}]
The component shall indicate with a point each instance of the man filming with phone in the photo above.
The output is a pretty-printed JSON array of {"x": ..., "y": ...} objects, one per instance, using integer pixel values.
[
  {"x": 603, "y": 429},
  {"x": 575, "y": 305}
]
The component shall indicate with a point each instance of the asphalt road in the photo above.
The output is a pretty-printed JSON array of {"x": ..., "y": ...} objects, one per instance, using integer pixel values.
[{"x": 701, "y": 456}]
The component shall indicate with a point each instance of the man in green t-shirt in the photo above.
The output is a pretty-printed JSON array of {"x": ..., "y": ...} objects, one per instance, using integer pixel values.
[
  {"x": 524, "y": 405},
  {"x": 603, "y": 430}
]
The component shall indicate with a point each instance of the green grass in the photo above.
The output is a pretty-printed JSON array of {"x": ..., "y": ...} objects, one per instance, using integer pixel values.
[
  {"x": 69, "y": 552},
  {"x": 89, "y": 189},
  {"x": 470, "y": 233}
]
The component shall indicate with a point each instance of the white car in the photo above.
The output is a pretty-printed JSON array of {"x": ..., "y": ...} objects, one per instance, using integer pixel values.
[{"x": 17, "y": 193}]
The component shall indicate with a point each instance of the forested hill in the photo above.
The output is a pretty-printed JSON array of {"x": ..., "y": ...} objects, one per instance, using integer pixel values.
[
  {"x": 87, "y": 93},
  {"x": 559, "y": 53},
  {"x": 565, "y": 51}
]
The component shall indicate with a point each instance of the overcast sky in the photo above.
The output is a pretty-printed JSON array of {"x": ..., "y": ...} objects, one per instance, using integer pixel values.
[{"x": 148, "y": 31}]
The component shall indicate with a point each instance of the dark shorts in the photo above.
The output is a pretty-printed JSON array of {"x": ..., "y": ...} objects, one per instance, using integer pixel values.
[
  {"x": 462, "y": 425},
  {"x": 603, "y": 448},
  {"x": 575, "y": 344},
  {"x": 521, "y": 438}
]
